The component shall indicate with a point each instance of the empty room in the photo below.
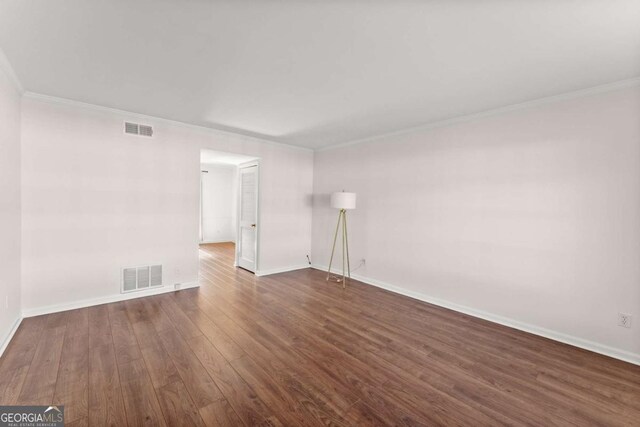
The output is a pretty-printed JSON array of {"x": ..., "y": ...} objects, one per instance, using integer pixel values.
[{"x": 320, "y": 213}]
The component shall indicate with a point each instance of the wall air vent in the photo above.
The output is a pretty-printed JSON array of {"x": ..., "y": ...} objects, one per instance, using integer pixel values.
[
  {"x": 139, "y": 278},
  {"x": 131, "y": 128},
  {"x": 146, "y": 130},
  {"x": 137, "y": 129}
]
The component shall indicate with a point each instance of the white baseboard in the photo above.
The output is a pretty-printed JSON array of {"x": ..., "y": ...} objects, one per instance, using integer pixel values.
[
  {"x": 105, "y": 300},
  {"x": 533, "y": 329},
  {"x": 281, "y": 270},
  {"x": 7, "y": 339}
]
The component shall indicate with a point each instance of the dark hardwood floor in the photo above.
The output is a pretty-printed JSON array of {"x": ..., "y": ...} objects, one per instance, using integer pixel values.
[{"x": 291, "y": 350}]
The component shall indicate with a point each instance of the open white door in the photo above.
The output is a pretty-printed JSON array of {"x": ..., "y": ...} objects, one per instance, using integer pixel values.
[{"x": 248, "y": 217}]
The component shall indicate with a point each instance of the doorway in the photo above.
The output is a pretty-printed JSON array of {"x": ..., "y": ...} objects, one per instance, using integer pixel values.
[{"x": 229, "y": 211}]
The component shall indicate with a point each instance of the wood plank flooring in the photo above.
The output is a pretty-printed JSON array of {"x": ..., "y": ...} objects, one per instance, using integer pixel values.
[{"x": 293, "y": 350}]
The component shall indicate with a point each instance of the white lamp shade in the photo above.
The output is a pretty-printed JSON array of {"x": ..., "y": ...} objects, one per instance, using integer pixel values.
[{"x": 342, "y": 200}]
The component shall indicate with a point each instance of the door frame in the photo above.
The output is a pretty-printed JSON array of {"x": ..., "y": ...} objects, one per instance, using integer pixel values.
[
  {"x": 201, "y": 231},
  {"x": 252, "y": 163}
]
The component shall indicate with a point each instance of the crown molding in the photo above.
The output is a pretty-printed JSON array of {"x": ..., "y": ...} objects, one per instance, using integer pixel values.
[
  {"x": 143, "y": 117},
  {"x": 622, "y": 84},
  {"x": 6, "y": 67},
  {"x": 609, "y": 87}
]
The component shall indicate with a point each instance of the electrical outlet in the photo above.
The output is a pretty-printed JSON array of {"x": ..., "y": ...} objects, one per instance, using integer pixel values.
[
  {"x": 624, "y": 320},
  {"x": 6, "y": 302}
]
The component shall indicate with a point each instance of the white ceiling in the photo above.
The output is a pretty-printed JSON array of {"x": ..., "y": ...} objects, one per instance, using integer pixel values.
[
  {"x": 212, "y": 157},
  {"x": 317, "y": 73}
]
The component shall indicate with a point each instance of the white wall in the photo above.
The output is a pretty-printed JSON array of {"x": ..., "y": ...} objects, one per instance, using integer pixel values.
[
  {"x": 95, "y": 200},
  {"x": 9, "y": 203},
  {"x": 532, "y": 216},
  {"x": 219, "y": 199}
]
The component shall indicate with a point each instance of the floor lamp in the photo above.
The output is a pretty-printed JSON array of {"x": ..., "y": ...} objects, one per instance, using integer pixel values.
[{"x": 343, "y": 201}]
